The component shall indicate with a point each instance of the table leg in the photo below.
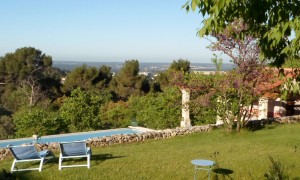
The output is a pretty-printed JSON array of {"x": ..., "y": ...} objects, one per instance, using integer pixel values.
[{"x": 195, "y": 173}]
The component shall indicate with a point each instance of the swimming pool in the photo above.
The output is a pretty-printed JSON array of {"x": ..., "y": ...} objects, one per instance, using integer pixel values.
[{"x": 69, "y": 137}]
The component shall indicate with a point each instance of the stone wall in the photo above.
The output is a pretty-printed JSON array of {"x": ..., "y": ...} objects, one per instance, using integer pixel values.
[
  {"x": 131, "y": 138},
  {"x": 288, "y": 119},
  {"x": 123, "y": 138}
]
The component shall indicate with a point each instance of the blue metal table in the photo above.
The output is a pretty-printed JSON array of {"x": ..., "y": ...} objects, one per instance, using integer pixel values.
[{"x": 202, "y": 164}]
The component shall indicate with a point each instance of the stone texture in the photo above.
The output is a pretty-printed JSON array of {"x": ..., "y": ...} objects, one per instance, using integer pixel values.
[{"x": 132, "y": 138}]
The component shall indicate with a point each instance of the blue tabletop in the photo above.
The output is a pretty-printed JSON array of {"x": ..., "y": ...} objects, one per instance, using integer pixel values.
[{"x": 202, "y": 162}]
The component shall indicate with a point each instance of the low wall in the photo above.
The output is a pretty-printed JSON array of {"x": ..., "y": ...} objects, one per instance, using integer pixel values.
[
  {"x": 288, "y": 119},
  {"x": 130, "y": 138},
  {"x": 123, "y": 138}
]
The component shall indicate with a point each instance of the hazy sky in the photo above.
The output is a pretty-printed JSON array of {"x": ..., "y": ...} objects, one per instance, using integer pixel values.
[{"x": 103, "y": 30}]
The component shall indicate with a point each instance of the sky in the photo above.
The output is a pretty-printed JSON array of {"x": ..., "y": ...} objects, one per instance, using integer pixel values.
[{"x": 104, "y": 30}]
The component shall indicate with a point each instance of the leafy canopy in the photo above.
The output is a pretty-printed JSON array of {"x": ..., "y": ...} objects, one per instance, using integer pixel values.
[{"x": 275, "y": 22}]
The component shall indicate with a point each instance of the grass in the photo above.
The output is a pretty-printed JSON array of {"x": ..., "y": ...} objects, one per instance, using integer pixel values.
[{"x": 246, "y": 154}]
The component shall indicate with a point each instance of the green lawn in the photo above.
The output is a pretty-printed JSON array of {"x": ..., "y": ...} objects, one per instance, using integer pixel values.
[{"x": 246, "y": 154}]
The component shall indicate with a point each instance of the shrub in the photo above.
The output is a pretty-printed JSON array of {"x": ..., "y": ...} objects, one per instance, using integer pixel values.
[{"x": 157, "y": 110}]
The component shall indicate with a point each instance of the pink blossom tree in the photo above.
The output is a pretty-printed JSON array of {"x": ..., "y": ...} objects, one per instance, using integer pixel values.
[{"x": 241, "y": 87}]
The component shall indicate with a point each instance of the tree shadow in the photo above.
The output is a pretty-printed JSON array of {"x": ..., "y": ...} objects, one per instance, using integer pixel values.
[
  {"x": 254, "y": 125},
  {"x": 103, "y": 157},
  {"x": 6, "y": 175},
  {"x": 223, "y": 172}
]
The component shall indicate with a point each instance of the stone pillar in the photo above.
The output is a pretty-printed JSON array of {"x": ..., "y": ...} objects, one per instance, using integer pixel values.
[
  {"x": 263, "y": 108},
  {"x": 185, "y": 122},
  {"x": 219, "y": 120}
]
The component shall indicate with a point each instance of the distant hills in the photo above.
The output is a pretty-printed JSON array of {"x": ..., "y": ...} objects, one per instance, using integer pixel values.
[{"x": 144, "y": 67}]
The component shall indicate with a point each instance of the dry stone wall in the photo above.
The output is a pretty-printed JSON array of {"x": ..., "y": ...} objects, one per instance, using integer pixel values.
[
  {"x": 140, "y": 137},
  {"x": 123, "y": 138}
]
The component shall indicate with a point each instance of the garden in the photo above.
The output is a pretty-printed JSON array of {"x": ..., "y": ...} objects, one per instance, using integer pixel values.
[{"x": 269, "y": 152}]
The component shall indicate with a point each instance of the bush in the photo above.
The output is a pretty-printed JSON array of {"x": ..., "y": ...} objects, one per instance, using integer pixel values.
[
  {"x": 7, "y": 128},
  {"x": 81, "y": 111},
  {"x": 39, "y": 121},
  {"x": 115, "y": 115},
  {"x": 157, "y": 110}
]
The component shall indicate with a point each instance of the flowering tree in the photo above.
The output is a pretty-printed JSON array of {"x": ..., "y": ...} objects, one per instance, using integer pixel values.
[
  {"x": 230, "y": 95},
  {"x": 240, "y": 87}
]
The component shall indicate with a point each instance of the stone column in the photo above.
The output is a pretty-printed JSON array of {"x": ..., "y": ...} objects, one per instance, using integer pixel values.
[
  {"x": 219, "y": 120},
  {"x": 185, "y": 122},
  {"x": 263, "y": 108}
]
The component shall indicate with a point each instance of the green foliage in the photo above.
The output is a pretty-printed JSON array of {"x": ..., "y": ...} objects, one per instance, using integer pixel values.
[
  {"x": 162, "y": 81},
  {"x": 7, "y": 127},
  {"x": 290, "y": 88},
  {"x": 276, "y": 171},
  {"x": 22, "y": 63},
  {"x": 81, "y": 110},
  {"x": 218, "y": 62},
  {"x": 35, "y": 120},
  {"x": 157, "y": 110},
  {"x": 87, "y": 78},
  {"x": 176, "y": 75},
  {"x": 127, "y": 81},
  {"x": 244, "y": 155},
  {"x": 291, "y": 63},
  {"x": 115, "y": 115},
  {"x": 180, "y": 65},
  {"x": 275, "y": 23},
  {"x": 29, "y": 69}
]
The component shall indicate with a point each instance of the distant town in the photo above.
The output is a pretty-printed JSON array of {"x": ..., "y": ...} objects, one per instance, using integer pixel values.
[{"x": 147, "y": 69}]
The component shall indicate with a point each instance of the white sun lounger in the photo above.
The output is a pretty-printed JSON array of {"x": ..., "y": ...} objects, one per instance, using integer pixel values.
[
  {"x": 76, "y": 149},
  {"x": 28, "y": 153}
]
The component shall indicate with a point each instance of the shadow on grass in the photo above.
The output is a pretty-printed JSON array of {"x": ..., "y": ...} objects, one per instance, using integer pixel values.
[
  {"x": 6, "y": 175},
  {"x": 103, "y": 157},
  {"x": 225, "y": 173},
  {"x": 254, "y": 125}
]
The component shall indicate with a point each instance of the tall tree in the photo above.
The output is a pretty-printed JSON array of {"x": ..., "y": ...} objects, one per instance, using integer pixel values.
[
  {"x": 88, "y": 78},
  {"x": 167, "y": 78},
  {"x": 26, "y": 68},
  {"x": 230, "y": 92},
  {"x": 274, "y": 22},
  {"x": 128, "y": 82},
  {"x": 180, "y": 65},
  {"x": 241, "y": 87}
]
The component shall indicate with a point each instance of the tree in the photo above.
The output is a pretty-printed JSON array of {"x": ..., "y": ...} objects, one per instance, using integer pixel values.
[
  {"x": 27, "y": 68},
  {"x": 157, "y": 110},
  {"x": 203, "y": 95},
  {"x": 116, "y": 115},
  {"x": 36, "y": 120},
  {"x": 229, "y": 93},
  {"x": 128, "y": 82},
  {"x": 180, "y": 65},
  {"x": 88, "y": 78},
  {"x": 241, "y": 87},
  {"x": 24, "y": 62},
  {"x": 7, "y": 127},
  {"x": 168, "y": 78},
  {"x": 275, "y": 23},
  {"x": 81, "y": 110}
]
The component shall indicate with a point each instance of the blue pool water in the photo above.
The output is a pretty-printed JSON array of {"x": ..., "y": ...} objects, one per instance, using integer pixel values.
[{"x": 68, "y": 137}]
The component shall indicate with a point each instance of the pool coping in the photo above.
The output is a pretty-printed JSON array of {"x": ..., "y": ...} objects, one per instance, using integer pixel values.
[{"x": 139, "y": 129}]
